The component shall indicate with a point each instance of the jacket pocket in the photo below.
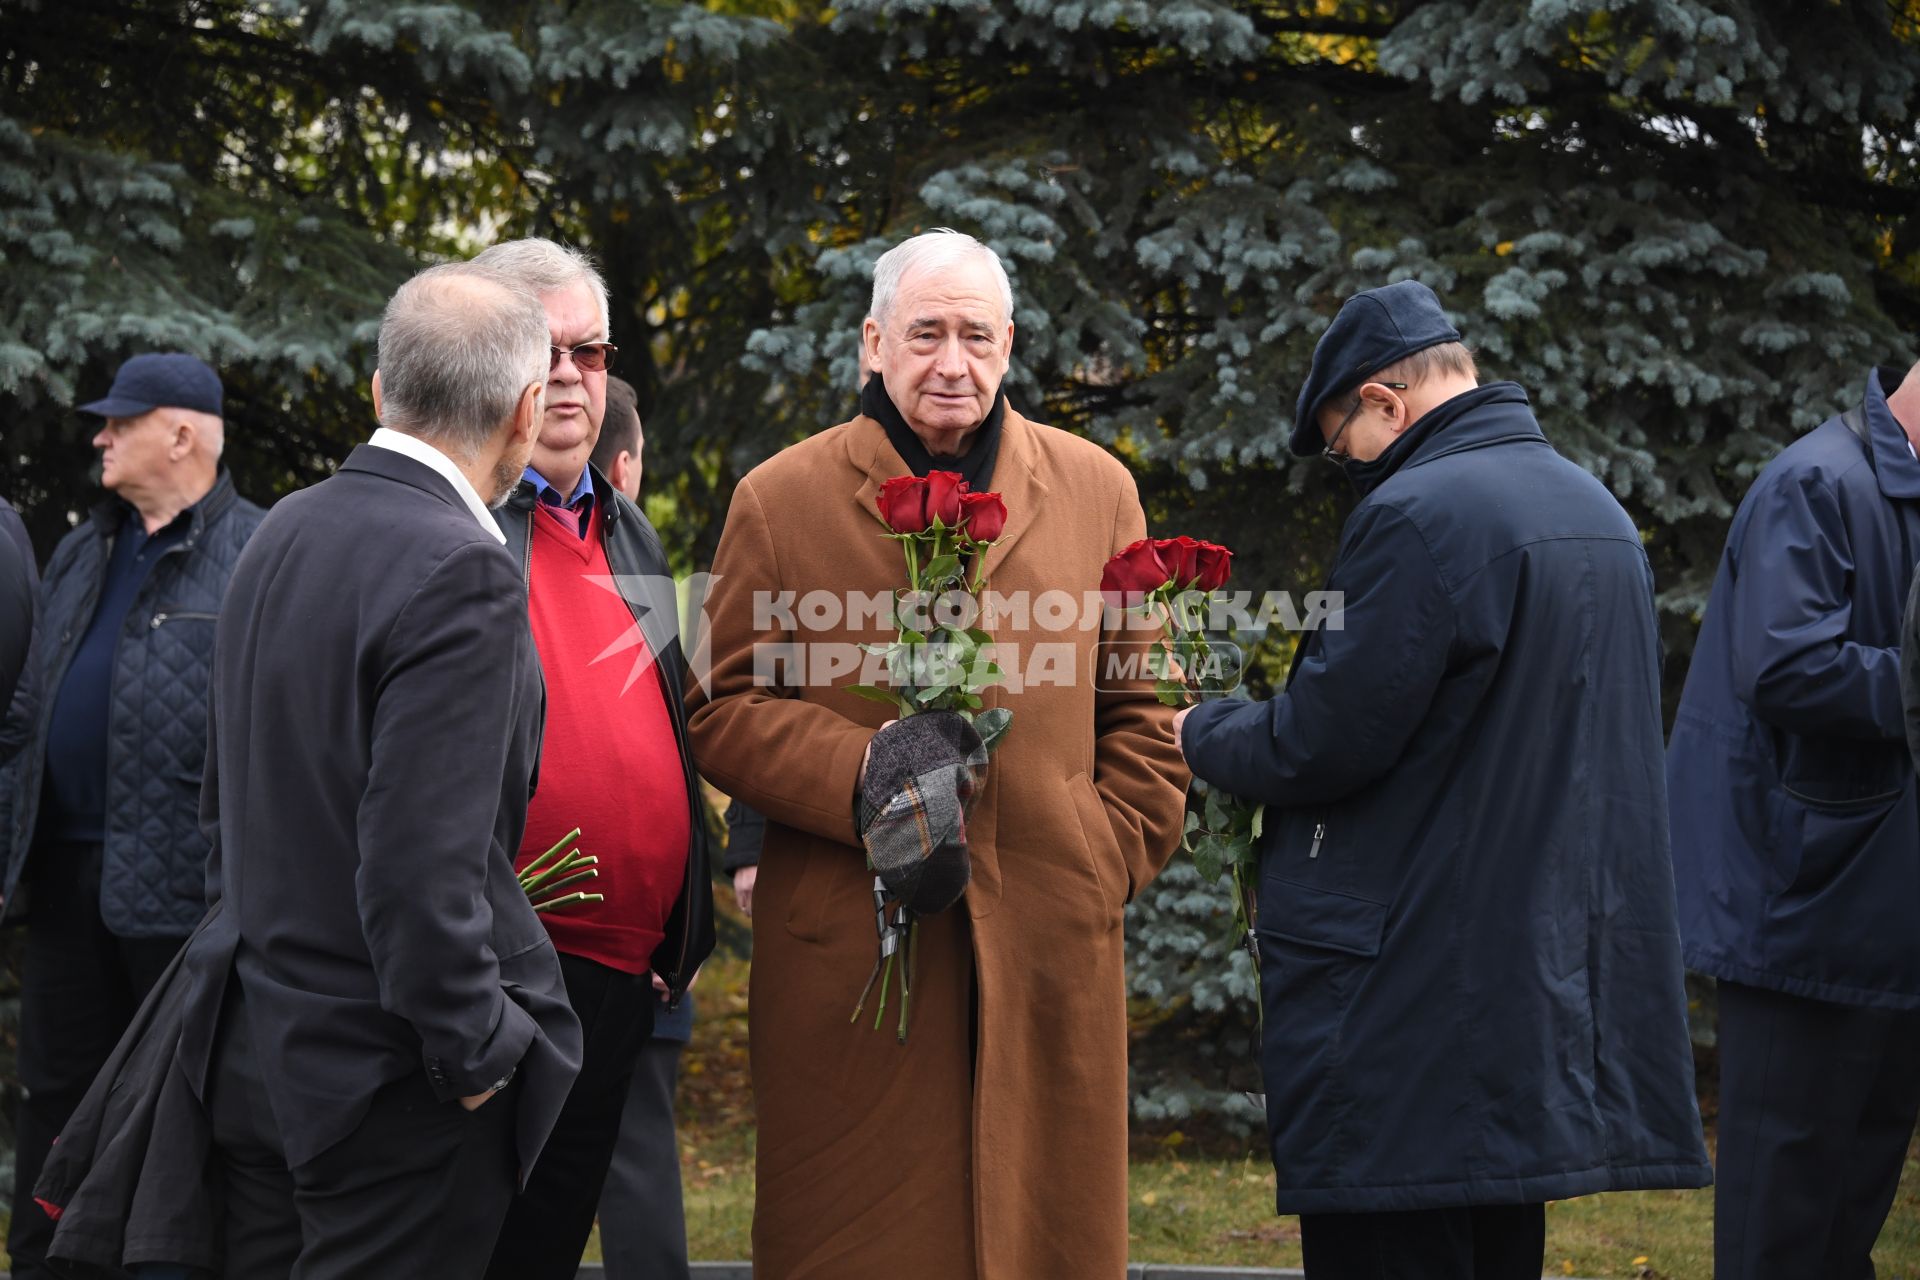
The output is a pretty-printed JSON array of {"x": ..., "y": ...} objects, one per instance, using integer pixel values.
[
  {"x": 1104, "y": 863},
  {"x": 1325, "y": 919},
  {"x": 1817, "y": 839},
  {"x": 1317, "y": 951}
]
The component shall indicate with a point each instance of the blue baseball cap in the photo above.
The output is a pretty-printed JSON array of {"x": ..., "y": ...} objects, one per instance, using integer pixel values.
[
  {"x": 169, "y": 378},
  {"x": 1372, "y": 331}
]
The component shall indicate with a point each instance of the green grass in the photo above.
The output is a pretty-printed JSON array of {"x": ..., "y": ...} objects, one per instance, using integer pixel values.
[
  {"x": 1209, "y": 1209},
  {"x": 1215, "y": 1212},
  {"x": 1198, "y": 1209}
]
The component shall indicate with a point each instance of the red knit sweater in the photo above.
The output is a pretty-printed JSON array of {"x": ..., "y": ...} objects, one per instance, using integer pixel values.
[{"x": 608, "y": 763}]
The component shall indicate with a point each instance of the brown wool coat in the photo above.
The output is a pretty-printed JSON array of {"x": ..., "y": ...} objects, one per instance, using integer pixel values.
[{"x": 992, "y": 1146}]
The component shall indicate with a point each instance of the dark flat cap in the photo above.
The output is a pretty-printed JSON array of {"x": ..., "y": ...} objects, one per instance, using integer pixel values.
[
  {"x": 1373, "y": 330},
  {"x": 147, "y": 382}
]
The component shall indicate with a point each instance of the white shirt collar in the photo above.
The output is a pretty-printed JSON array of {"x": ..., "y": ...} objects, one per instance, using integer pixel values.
[{"x": 422, "y": 452}]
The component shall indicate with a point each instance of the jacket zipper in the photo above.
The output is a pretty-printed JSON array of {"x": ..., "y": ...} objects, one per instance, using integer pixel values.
[
  {"x": 1319, "y": 834},
  {"x": 695, "y": 805},
  {"x": 186, "y": 616}
]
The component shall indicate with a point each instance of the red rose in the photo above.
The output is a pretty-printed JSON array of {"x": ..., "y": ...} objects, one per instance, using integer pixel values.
[
  {"x": 1215, "y": 564},
  {"x": 903, "y": 504},
  {"x": 982, "y": 516},
  {"x": 1133, "y": 573},
  {"x": 1181, "y": 556},
  {"x": 943, "y": 497}
]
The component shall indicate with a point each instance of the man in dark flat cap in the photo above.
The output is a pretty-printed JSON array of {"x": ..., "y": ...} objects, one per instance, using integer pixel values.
[
  {"x": 1470, "y": 965},
  {"x": 100, "y": 811}
]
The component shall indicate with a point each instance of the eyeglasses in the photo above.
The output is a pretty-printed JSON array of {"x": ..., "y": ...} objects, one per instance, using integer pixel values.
[
  {"x": 588, "y": 357},
  {"x": 1329, "y": 453}
]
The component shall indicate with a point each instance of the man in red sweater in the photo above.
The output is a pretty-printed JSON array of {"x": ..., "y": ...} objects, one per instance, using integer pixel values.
[{"x": 614, "y": 761}]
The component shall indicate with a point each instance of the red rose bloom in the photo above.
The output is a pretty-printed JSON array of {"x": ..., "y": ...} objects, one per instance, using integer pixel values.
[
  {"x": 1135, "y": 571},
  {"x": 1215, "y": 564},
  {"x": 982, "y": 516},
  {"x": 903, "y": 504},
  {"x": 943, "y": 497},
  {"x": 1181, "y": 556}
]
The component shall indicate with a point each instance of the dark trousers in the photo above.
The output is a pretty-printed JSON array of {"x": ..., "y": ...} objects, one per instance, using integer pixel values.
[
  {"x": 643, "y": 1224},
  {"x": 418, "y": 1188},
  {"x": 1489, "y": 1242},
  {"x": 1817, "y": 1106},
  {"x": 547, "y": 1228},
  {"x": 80, "y": 988}
]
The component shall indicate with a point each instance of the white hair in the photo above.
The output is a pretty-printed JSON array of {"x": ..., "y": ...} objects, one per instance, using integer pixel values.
[
  {"x": 459, "y": 344},
  {"x": 941, "y": 247},
  {"x": 546, "y": 267}
]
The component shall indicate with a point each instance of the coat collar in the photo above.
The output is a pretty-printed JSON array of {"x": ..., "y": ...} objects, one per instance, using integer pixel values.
[
  {"x": 1017, "y": 475},
  {"x": 1894, "y": 465},
  {"x": 110, "y": 514},
  {"x": 401, "y": 469},
  {"x": 1497, "y": 413}
]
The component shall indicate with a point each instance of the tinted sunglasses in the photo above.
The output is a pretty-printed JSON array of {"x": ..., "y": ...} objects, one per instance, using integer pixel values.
[{"x": 588, "y": 357}]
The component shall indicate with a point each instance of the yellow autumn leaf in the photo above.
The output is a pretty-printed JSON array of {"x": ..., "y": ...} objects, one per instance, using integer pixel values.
[
  {"x": 1149, "y": 1198},
  {"x": 1504, "y": 248},
  {"x": 1640, "y": 1261},
  {"x": 1566, "y": 1266}
]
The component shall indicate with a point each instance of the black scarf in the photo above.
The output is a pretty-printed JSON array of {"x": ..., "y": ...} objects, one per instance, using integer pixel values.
[{"x": 975, "y": 466}]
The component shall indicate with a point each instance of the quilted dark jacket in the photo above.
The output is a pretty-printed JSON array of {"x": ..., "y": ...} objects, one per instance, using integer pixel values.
[{"x": 153, "y": 879}]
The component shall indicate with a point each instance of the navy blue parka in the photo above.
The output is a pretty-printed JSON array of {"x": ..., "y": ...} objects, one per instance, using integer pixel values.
[
  {"x": 1796, "y": 827},
  {"x": 1470, "y": 965}
]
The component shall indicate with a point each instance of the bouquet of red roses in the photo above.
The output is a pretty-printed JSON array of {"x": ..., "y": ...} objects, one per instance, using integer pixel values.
[
  {"x": 912, "y": 805},
  {"x": 1171, "y": 578},
  {"x": 940, "y": 660}
]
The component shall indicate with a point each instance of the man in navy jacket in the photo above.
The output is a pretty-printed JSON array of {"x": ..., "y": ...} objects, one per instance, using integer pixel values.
[
  {"x": 1469, "y": 961},
  {"x": 104, "y": 858},
  {"x": 1796, "y": 839}
]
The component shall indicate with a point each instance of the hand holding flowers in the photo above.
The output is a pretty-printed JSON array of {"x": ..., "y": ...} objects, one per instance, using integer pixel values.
[{"x": 1171, "y": 577}]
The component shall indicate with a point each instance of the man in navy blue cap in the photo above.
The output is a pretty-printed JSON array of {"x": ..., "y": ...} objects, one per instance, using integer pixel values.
[
  {"x": 1469, "y": 960},
  {"x": 104, "y": 856}
]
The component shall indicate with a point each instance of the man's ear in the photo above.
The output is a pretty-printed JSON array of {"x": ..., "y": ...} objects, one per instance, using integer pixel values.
[
  {"x": 528, "y": 413},
  {"x": 620, "y": 473},
  {"x": 376, "y": 395},
  {"x": 184, "y": 433},
  {"x": 1386, "y": 403},
  {"x": 870, "y": 344}
]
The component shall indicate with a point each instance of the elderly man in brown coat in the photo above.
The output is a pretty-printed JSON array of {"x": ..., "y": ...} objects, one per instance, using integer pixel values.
[{"x": 993, "y": 1142}]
